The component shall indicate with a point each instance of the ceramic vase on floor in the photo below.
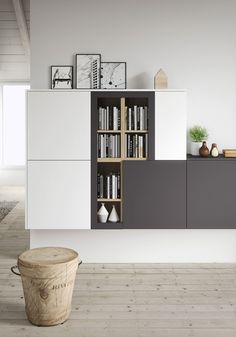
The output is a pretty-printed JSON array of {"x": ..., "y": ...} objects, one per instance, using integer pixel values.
[
  {"x": 113, "y": 217},
  {"x": 102, "y": 214}
]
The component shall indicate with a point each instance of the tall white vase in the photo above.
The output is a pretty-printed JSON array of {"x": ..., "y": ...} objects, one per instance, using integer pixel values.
[
  {"x": 113, "y": 217},
  {"x": 102, "y": 214}
]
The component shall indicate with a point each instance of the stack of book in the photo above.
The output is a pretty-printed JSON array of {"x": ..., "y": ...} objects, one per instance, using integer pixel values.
[
  {"x": 108, "y": 146},
  {"x": 136, "y": 145},
  {"x": 108, "y": 186},
  {"x": 137, "y": 118},
  {"x": 109, "y": 118},
  {"x": 230, "y": 153}
]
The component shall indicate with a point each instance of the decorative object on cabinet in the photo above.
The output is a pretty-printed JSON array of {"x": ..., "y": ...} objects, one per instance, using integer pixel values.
[
  {"x": 160, "y": 80},
  {"x": 113, "y": 75},
  {"x": 88, "y": 71},
  {"x": 113, "y": 217},
  {"x": 102, "y": 214},
  {"x": 197, "y": 134},
  {"x": 204, "y": 151},
  {"x": 61, "y": 77},
  {"x": 214, "y": 150},
  {"x": 229, "y": 153}
]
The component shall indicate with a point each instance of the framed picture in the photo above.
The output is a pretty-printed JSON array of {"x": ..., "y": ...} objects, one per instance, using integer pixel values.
[
  {"x": 88, "y": 71},
  {"x": 113, "y": 75},
  {"x": 61, "y": 77}
]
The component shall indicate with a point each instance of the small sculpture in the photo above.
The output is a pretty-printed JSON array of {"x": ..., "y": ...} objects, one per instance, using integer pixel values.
[
  {"x": 113, "y": 217},
  {"x": 214, "y": 150},
  {"x": 102, "y": 214},
  {"x": 160, "y": 80},
  {"x": 204, "y": 151}
]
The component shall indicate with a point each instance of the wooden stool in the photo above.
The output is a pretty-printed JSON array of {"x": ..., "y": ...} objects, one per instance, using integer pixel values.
[{"x": 48, "y": 277}]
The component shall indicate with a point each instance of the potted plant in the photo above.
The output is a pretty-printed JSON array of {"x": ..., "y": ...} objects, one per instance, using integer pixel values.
[{"x": 197, "y": 134}]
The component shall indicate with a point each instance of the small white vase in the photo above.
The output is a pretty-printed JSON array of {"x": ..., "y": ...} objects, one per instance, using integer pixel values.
[
  {"x": 102, "y": 214},
  {"x": 195, "y": 146},
  {"x": 113, "y": 217}
]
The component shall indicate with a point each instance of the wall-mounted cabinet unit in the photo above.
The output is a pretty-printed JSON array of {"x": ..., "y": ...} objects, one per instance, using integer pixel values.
[
  {"x": 59, "y": 125},
  {"x": 155, "y": 194},
  {"x": 122, "y": 130},
  {"x": 58, "y": 160},
  {"x": 170, "y": 125},
  {"x": 211, "y": 192},
  {"x": 125, "y": 149},
  {"x": 59, "y": 195}
]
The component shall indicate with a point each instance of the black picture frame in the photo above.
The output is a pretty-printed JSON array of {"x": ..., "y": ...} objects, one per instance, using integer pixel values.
[
  {"x": 86, "y": 81},
  {"x": 111, "y": 85},
  {"x": 55, "y": 81}
]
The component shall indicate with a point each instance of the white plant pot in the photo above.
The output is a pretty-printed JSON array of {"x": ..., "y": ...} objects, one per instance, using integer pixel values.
[
  {"x": 195, "y": 146},
  {"x": 102, "y": 214}
]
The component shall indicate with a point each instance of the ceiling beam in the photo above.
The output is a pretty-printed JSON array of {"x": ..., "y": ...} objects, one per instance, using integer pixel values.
[{"x": 21, "y": 22}]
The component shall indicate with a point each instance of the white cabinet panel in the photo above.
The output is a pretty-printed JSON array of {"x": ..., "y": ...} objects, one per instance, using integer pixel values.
[
  {"x": 170, "y": 126},
  {"x": 58, "y": 195},
  {"x": 59, "y": 125}
]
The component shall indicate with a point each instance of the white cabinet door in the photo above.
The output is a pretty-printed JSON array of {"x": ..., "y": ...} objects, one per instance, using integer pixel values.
[
  {"x": 58, "y": 195},
  {"x": 58, "y": 125},
  {"x": 170, "y": 125}
]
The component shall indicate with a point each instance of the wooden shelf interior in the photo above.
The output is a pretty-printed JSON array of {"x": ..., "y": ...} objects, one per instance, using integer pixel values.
[
  {"x": 108, "y": 131},
  {"x": 108, "y": 200},
  {"x": 108, "y": 206},
  {"x": 106, "y": 166},
  {"x": 136, "y": 131},
  {"x": 109, "y": 160}
]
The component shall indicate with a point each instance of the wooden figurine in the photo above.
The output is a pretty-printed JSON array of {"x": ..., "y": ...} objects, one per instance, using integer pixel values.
[
  {"x": 160, "y": 80},
  {"x": 204, "y": 151}
]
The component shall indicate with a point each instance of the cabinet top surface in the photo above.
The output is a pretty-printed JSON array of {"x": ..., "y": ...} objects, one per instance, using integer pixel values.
[
  {"x": 198, "y": 158},
  {"x": 106, "y": 90}
]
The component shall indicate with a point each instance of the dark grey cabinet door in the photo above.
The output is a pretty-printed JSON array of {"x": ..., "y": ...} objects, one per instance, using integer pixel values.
[
  {"x": 154, "y": 194},
  {"x": 211, "y": 193}
]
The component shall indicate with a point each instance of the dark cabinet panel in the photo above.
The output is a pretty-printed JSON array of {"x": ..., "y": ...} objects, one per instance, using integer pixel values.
[
  {"x": 211, "y": 193},
  {"x": 155, "y": 194}
]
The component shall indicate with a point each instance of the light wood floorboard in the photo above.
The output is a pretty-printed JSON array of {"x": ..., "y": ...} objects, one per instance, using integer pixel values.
[{"x": 116, "y": 300}]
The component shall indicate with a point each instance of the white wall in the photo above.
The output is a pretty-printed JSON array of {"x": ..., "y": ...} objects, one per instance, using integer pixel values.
[
  {"x": 195, "y": 43},
  {"x": 12, "y": 177}
]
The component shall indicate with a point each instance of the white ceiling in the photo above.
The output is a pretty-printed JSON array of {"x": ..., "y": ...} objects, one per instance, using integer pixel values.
[{"x": 14, "y": 63}]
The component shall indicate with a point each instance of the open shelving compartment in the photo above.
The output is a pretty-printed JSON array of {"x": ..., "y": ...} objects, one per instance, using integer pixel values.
[{"x": 107, "y": 133}]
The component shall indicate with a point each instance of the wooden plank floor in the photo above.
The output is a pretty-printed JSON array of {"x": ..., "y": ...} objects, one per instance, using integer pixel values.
[{"x": 116, "y": 300}]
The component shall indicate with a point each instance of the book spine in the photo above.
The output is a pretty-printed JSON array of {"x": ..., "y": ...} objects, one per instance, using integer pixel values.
[
  {"x": 108, "y": 187},
  {"x": 101, "y": 186},
  {"x": 146, "y": 145},
  {"x": 135, "y": 118},
  {"x": 113, "y": 186},
  {"x": 102, "y": 116},
  {"x": 98, "y": 185},
  {"x": 115, "y": 118},
  {"x": 146, "y": 118},
  {"x": 136, "y": 146},
  {"x": 141, "y": 118},
  {"x": 130, "y": 118},
  {"x": 118, "y": 186}
]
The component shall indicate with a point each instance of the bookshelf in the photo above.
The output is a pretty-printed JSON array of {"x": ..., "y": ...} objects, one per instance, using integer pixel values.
[{"x": 120, "y": 127}]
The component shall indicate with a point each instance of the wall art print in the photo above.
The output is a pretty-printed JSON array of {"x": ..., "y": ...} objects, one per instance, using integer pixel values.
[
  {"x": 61, "y": 77},
  {"x": 88, "y": 71},
  {"x": 113, "y": 75}
]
